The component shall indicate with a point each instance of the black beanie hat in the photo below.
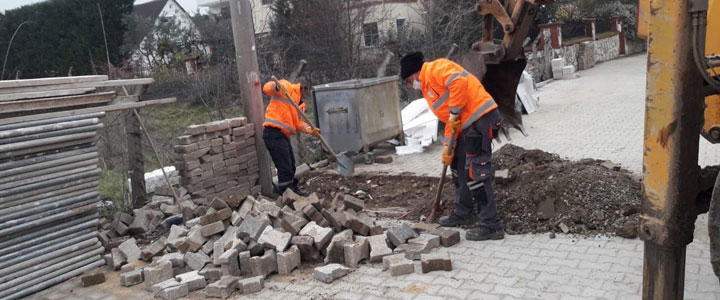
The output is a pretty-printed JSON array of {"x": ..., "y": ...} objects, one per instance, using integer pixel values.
[{"x": 411, "y": 64}]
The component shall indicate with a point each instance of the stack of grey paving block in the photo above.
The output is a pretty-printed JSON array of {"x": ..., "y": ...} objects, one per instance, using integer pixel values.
[
  {"x": 48, "y": 202},
  {"x": 218, "y": 160}
]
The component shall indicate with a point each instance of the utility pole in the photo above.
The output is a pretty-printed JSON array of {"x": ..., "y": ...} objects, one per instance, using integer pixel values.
[{"x": 249, "y": 74}]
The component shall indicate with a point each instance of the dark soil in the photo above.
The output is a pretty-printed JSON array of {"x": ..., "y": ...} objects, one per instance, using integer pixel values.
[{"x": 543, "y": 193}]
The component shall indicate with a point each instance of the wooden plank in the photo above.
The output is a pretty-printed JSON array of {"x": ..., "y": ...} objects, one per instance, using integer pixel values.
[
  {"x": 67, "y": 86},
  {"x": 50, "y": 81},
  {"x": 75, "y": 112},
  {"x": 124, "y": 99},
  {"x": 44, "y": 94},
  {"x": 55, "y": 102}
]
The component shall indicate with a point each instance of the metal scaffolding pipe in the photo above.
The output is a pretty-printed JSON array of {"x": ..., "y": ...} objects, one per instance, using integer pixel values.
[
  {"x": 60, "y": 278},
  {"x": 77, "y": 236},
  {"x": 17, "y": 260},
  {"x": 48, "y": 174},
  {"x": 19, "y": 279},
  {"x": 26, "y": 262},
  {"x": 25, "y": 198},
  {"x": 50, "y": 121},
  {"x": 47, "y": 183},
  {"x": 38, "y": 222},
  {"x": 40, "y": 235},
  {"x": 81, "y": 254},
  {"x": 74, "y": 203},
  {"x": 54, "y": 169},
  {"x": 61, "y": 146},
  {"x": 7, "y": 167},
  {"x": 6, "y": 134},
  {"x": 44, "y": 135},
  {"x": 28, "y": 205},
  {"x": 54, "y": 205},
  {"x": 4, "y": 174},
  {"x": 65, "y": 268},
  {"x": 47, "y": 235},
  {"x": 46, "y": 141}
]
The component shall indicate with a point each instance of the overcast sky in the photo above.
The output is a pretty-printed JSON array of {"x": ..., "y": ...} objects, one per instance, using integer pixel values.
[{"x": 189, "y": 5}]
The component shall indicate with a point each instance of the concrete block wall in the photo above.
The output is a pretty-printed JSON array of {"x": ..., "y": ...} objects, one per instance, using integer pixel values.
[
  {"x": 607, "y": 48},
  {"x": 218, "y": 159}
]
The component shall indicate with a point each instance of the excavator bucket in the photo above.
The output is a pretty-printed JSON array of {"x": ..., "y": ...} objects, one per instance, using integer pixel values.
[{"x": 501, "y": 81}]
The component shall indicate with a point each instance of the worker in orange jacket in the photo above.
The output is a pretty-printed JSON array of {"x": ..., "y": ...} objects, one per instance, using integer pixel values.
[
  {"x": 459, "y": 100},
  {"x": 281, "y": 121}
]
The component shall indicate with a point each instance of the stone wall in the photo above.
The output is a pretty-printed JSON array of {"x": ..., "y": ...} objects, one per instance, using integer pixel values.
[
  {"x": 607, "y": 48},
  {"x": 582, "y": 55},
  {"x": 218, "y": 159}
]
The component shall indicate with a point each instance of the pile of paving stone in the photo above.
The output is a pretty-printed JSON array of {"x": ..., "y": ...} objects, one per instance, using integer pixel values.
[{"x": 235, "y": 244}]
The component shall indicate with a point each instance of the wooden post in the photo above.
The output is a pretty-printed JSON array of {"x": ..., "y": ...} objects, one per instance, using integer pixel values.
[
  {"x": 249, "y": 74},
  {"x": 136, "y": 167}
]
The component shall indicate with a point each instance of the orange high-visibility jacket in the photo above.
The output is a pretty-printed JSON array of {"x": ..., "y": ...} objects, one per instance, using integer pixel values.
[
  {"x": 280, "y": 113},
  {"x": 449, "y": 88}
]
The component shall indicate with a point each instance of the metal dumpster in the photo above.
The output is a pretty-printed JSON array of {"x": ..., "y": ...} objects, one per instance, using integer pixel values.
[{"x": 357, "y": 114}]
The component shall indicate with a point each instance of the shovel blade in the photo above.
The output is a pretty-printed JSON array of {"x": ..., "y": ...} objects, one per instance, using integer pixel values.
[{"x": 345, "y": 165}]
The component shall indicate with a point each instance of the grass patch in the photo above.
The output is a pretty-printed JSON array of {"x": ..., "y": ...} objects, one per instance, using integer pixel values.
[{"x": 114, "y": 193}]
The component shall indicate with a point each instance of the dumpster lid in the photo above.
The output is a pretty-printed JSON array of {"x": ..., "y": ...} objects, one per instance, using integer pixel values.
[{"x": 354, "y": 83}]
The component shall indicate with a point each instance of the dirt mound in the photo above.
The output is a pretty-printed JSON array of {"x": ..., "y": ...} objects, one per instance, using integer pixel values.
[{"x": 542, "y": 193}]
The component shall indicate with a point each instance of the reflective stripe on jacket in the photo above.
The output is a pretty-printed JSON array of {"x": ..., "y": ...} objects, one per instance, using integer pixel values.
[
  {"x": 449, "y": 88},
  {"x": 280, "y": 113}
]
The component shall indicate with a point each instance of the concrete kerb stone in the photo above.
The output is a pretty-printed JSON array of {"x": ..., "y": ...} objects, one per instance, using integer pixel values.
[
  {"x": 153, "y": 275},
  {"x": 131, "y": 278},
  {"x": 320, "y": 235},
  {"x": 148, "y": 252},
  {"x": 264, "y": 265},
  {"x": 435, "y": 262},
  {"x": 211, "y": 273},
  {"x": 92, "y": 279},
  {"x": 130, "y": 250},
  {"x": 177, "y": 259},
  {"x": 229, "y": 264},
  {"x": 251, "y": 227},
  {"x": 399, "y": 235},
  {"x": 252, "y": 284},
  {"x": 398, "y": 265},
  {"x": 117, "y": 258},
  {"x": 212, "y": 229},
  {"x": 222, "y": 288},
  {"x": 305, "y": 244},
  {"x": 267, "y": 207},
  {"x": 353, "y": 203},
  {"x": 193, "y": 279},
  {"x": 170, "y": 289},
  {"x": 419, "y": 245},
  {"x": 448, "y": 237},
  {"x": 378, "y": 247},
  {"x": 335, "y": 251},
  {"x": 292, "y": 223},
  {"x": 244, "y": 261},
  {"x": 288, "y": 260},
  {"x": 356, "y": 252},
  {"x": 330, "y": 273},
  {"x": 273, "y": 239},
  {"x": 197, "y": 260}
]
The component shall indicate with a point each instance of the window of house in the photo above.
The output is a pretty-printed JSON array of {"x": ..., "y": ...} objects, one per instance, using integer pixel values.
[{"x": 371, "y": 34}]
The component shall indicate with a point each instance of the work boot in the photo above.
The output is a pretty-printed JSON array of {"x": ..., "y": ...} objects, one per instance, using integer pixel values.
[
  {"x": 454, "y": 220},
  {"x": 484, "y": 234},
  {"x": 298, "y": 191}
]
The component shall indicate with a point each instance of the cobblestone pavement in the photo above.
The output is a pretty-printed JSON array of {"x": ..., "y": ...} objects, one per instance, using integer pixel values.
[
  {"x": 598, "y": 115},
  {"x": 519, "y": 267}
]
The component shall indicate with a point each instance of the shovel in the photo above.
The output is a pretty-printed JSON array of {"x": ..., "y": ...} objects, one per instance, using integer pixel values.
[
  {"x": 449, "y": 147},
  {"x": 344, "y": 164}
]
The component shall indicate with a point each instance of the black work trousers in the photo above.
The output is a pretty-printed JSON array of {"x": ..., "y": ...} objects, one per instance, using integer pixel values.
[
  {"x": 281, "y": 152},
  {"x": 471, "y": 171}
]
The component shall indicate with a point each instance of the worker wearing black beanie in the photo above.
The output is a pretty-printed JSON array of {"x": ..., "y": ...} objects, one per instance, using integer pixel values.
[{"x": 472, "y": 120}]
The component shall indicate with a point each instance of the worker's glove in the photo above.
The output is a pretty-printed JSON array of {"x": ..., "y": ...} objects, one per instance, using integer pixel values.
[
  {"x": 454, "y": 122},
  {"x": 447, "y": 156},
  {"x": 314, "y": 131},
  {"x": 281, "y": 88}
]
